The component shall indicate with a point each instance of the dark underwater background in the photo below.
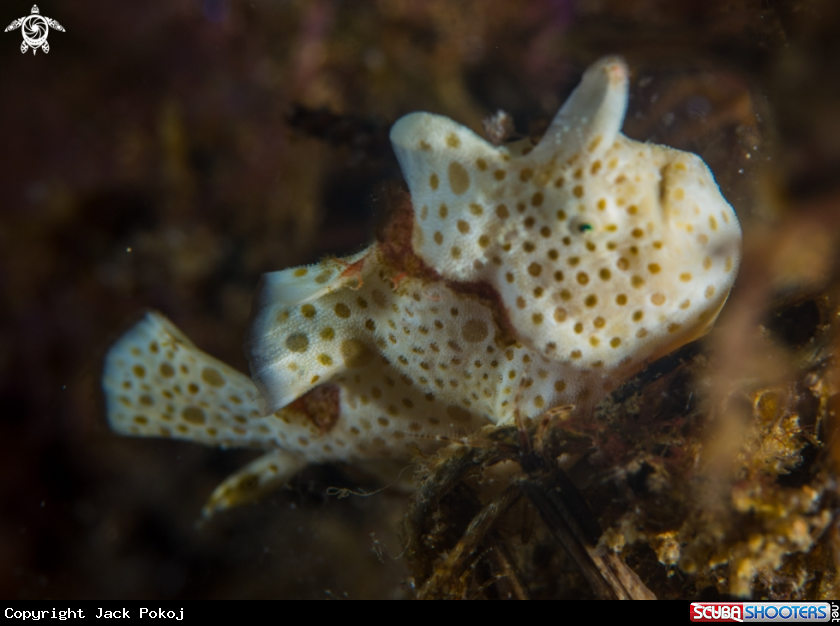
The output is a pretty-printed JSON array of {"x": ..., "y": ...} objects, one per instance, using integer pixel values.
[{"x": 164, "y": 155}]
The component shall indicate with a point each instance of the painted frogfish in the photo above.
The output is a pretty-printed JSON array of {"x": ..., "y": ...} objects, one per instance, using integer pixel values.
[{"x": 514, "y": 279}]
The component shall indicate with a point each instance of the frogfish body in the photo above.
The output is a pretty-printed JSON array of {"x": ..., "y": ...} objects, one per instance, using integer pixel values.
[{"x": 516, "y": 279}]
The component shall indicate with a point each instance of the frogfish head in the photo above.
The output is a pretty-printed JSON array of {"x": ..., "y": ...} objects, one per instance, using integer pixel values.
[{"x": 606, "y": 252}]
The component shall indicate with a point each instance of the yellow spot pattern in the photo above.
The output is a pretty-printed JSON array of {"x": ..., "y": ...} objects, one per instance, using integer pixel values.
[{"x": 563, "y": 266}]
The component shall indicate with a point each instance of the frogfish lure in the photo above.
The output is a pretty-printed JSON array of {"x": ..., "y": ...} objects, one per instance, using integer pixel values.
[{"x": 516, "y": 278}]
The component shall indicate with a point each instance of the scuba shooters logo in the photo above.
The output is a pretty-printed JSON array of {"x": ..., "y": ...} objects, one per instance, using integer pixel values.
[
  {"x": 35, "y": 28},
  {"x": 763, "y": 612}
]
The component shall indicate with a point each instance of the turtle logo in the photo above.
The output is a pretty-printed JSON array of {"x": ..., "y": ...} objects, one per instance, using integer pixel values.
[{"x": 35, "y": 28}]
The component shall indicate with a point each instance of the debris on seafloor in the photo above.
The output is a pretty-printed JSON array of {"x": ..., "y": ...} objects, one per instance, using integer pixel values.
[
  {"x": 695, "y": 507},
  {"x": 683, "y": 482}
]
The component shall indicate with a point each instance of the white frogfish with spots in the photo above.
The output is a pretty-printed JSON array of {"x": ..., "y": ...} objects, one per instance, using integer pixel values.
[{"x": 515, "y": 279}]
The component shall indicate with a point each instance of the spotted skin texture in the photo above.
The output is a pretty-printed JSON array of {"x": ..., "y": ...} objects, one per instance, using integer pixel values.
[
  {"x": 159, "y": 384},
  {"x": 603, "y": 256},
  {"x": 514, "y": 279}
]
